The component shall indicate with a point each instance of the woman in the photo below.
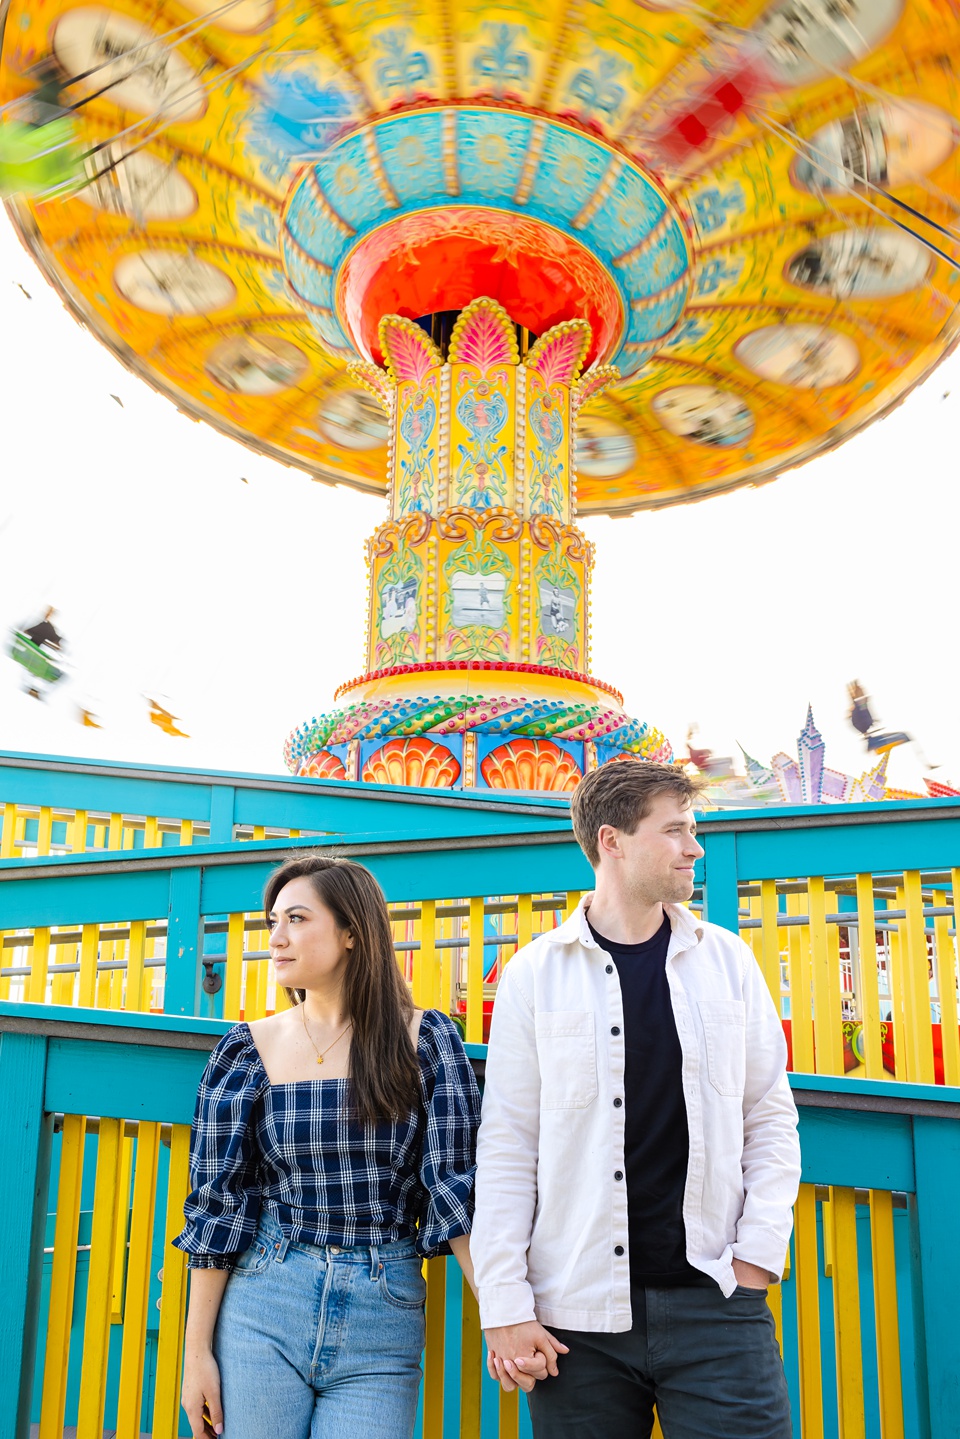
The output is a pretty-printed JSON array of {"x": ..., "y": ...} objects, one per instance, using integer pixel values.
[{"x": 316, "y": 1190}]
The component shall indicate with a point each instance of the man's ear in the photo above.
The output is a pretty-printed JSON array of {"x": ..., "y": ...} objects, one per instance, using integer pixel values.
[{"x": 608, "y": 841}]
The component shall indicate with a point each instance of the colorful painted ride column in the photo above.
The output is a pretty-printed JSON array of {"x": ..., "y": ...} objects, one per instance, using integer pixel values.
[
  {"x": 478, "y": 627},
  {"x": 454, "y": 222}
]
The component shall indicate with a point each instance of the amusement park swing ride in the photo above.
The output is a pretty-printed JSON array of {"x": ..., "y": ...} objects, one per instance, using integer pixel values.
[{"x": 504, "y": 265}]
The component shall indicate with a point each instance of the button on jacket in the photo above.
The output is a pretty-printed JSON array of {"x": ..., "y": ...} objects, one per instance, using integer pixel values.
[{"x": 550, "y": 1233}]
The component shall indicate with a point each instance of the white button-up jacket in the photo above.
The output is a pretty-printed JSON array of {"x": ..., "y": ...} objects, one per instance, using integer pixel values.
[{"x": 551, "y": 1214}]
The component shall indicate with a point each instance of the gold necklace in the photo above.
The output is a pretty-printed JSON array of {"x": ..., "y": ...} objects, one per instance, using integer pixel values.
[{"x": 319, "y": 1053}]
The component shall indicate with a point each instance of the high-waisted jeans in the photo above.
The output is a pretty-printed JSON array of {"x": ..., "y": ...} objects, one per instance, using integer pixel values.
[
  {"x": 319, "y": 1342},
  {"x": 711, "y": 1365}
]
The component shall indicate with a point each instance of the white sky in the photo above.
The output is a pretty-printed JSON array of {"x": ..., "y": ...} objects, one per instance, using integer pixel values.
[{"x": 241, "y": 606}]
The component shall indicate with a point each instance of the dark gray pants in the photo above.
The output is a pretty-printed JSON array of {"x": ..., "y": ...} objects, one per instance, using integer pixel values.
[{"x": 711, "y": 1365}]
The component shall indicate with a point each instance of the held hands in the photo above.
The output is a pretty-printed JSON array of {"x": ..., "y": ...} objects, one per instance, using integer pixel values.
[
  {"x": 520, "y": 1354},
  {"x": 200, "y": 1394}
]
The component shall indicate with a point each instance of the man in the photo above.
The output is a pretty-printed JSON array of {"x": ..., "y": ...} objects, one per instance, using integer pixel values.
[
  {"x": 36, "y": 657},
  {"x": 44, "y": 632},
  {"x": 638, "y": 1157}
]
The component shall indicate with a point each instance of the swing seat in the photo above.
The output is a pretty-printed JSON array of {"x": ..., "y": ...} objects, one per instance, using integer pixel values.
[
  {"x": 39, "y": 160},
  {"x": 33, "y": 659}
]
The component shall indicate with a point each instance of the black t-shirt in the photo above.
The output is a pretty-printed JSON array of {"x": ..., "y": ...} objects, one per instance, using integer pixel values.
[{"x": 656, "y": 1139}]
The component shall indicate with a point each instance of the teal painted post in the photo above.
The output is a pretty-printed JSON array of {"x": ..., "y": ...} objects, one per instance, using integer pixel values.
[
  {"x": 222, "y": 802},
  {"x": 720, "y": 869},
  {"x": 182, "y": 983},
  {"x": 936, "y": 1146},
  {"x": 25, "y": 1136}
]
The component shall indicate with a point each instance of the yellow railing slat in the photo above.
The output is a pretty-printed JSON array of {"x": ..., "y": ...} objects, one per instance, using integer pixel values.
[
  {"x": 120, "y": 1241},
  {"x": 96, "y": 1333},
  {"x": 770, "y": 940},
  {"x": 775, "y": 1305},
  {"x": 137, "y": 1298},
  {"x": 233, "y": 979},
  {"x": 885, "y": 1313},
  {"x": 78, "y": 832},
  {"x": 846, "y": 1312},
  {"x": 801, "y": 1019},
  {"x": 897, "y": 942},
  {"x": 8, "y": 837},
  {"x": 828, "y": 1034},
  {"x": 524, "y": 919},
  {"x": 753, "y": 936},
  {"x": 104, "y": 976},
  {"x": 946, "y": 970},
  {"x": 471, "y": 1348},
  {"x": 118, "y": 979},
  {"x": 433, "y": 1365},
  {"x": 36, "y": 992},
  {"x": 138, "y": 993},
  {"x": 445, "y": 928},
  {"x": 509, "y": 1415},
  {"x": 475, "y": 971},
  {"x": 280, "y": 1001},
  {"x": 62, "y": 986},
  {"x": 173, "y": 1294},
  {"x": 917, "y": 986},
  {"x": 868, "y": 993},
  {"x": 44, "y": 830},
  {"x": 255, "y": 988},
  {"x": 115, "y": 832},
  {"x": 425, "y": 977},
  {"x": 574, "y": 897},
  {"x": 63, "y": 1273},
  {"x": 807, "y": 1271}
]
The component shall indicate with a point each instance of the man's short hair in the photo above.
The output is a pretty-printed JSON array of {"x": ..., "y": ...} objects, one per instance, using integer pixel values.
[{"x": 621, "y": 793}]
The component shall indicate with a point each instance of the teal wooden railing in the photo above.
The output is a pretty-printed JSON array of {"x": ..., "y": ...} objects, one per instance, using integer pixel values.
[
  {"x": 124, "y": 891},
  {"x": 866, "y": 1315},
  {"x": 849, "y": 909},
  {"x": 59, "y": 805}
]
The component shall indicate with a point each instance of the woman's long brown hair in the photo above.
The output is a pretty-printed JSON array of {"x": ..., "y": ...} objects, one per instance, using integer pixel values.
[{"x": 384, "y": 1073}]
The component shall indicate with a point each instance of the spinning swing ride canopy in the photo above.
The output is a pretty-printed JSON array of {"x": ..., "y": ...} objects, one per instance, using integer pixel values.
[{"x": 756, "y": 217}]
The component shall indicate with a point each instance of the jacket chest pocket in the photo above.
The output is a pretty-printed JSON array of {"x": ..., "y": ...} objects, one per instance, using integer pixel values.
[
  {"x": 724, "y": 1033},
  {"x": 567, "y": 1052}
]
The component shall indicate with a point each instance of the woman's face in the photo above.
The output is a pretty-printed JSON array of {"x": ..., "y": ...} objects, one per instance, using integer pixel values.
[{"x": 307, "y": 948}]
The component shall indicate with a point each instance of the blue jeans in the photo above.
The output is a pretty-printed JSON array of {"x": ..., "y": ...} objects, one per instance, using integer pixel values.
[
  {"x": 318, "y": 1342},
  {"x": 711, "y": 1365}
]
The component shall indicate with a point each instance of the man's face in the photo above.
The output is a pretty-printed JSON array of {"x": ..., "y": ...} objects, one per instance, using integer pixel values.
[{"x": 656, "y": 861}]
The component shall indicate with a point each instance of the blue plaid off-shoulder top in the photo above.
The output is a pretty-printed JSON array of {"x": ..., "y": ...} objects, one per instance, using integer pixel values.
[{"x": 295, "y": 1151}]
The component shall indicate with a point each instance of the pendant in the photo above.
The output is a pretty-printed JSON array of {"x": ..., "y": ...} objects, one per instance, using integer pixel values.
[{"x": 319, "y": 1058}]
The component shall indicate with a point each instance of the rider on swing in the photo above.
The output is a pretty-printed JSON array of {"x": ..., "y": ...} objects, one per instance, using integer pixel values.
[{"x": 40, "y": 154}]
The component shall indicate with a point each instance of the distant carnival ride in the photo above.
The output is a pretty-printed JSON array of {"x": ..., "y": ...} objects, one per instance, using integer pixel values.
[
  {"x": 804, "y": 780},
  {"x": 506, "y": 265}
]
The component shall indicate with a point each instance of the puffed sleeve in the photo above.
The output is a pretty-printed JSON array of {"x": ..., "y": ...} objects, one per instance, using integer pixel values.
[
  {"x": 448, "y": 1160},
  {"x": 223, "y": 1206}
]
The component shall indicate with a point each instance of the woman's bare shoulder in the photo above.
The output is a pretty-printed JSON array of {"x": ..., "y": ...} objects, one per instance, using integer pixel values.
[
  {"x": 269, "y": 1029},
  {"x": 269, "y": 1022}
]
